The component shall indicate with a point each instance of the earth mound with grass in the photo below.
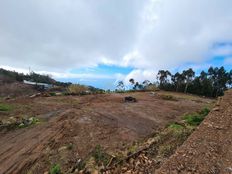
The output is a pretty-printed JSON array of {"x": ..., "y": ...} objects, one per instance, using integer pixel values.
[{"x": 209, "y": 148}]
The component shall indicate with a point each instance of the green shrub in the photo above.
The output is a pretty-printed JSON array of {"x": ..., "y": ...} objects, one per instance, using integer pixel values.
[
  {"x": 175, "y": 126},
  {"x": 52, "y": 93},
  {"x": 195, "y": 119},
  {"x": 55, "y": 169},
  {"x": 204, "y": 111},
  {"x": 4, "y": 107}
]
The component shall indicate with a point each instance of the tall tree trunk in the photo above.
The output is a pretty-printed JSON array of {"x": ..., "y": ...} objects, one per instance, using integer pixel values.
[
  {"x": 177, "y": 86},
  {"x": 186, "y": 87}
]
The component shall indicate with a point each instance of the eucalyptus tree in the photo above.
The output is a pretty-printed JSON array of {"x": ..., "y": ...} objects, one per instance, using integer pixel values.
[
  {"x": 162, "y": 76},
  {"x": 188, "y": 75}
]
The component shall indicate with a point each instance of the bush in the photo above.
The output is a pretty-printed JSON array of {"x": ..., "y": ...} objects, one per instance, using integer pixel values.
[
  {"x": 55, "y": 169},
  {"x": 77, "y": 89},
  {"x": 195, "y": 119},
  {"x": 204, "y": 111},
  {"x": 52, "y": 93}
]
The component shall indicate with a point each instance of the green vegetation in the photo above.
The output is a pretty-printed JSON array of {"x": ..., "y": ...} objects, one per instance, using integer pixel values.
[
  {"x": 175, "y": 133},
  {"x": 52, "y": 93},
  {"x": 195, "y": 119},
  {"x": 212, "y": 83},
  {"x": 5, "y": 107},
  {"x": 161, "y": 145},
  {"x": 55, "y": 169},
  {"x": 132, "y": 149},
  {"x": 28, "y": 122},
  {"x": 13, "y": 123},
  {"x": 100, "y": 156},
  {"x": 12, "y": 76},
  {"x": 175, "y": 126}
]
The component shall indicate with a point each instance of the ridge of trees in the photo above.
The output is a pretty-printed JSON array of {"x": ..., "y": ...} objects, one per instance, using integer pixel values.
[
  {"x": 7, "y": 76},
  {"x": 211, "y": 83}
]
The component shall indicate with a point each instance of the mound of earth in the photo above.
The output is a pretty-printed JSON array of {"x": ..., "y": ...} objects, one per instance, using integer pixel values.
[{"x": 209, "y": 148}]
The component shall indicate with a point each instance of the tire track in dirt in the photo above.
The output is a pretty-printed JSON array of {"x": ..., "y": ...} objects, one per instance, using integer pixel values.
[
  {"x": 26, "y": 145},
  {"x": 83, "y": 122}
]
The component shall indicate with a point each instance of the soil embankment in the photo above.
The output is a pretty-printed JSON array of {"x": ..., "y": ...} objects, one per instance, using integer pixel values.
[{"x": 209, "y": 148}]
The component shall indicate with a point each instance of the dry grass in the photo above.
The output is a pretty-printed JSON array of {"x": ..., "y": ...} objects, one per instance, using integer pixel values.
[{"x": 77, "y": 89}]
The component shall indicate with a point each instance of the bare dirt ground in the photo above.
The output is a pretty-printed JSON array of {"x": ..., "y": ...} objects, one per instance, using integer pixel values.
[
  {"x": 15, "y": 89},
  {"x": 85, "y": 122},
  {"x": 209, "y": 148}
]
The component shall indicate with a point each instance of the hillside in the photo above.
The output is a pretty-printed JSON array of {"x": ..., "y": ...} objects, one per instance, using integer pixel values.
[{"x": 209, "y": 148}]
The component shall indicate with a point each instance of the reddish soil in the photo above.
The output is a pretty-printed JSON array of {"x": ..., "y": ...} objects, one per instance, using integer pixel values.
[
  {"x": 86, "y": 122},
  {"x": 209, "y": 148}
]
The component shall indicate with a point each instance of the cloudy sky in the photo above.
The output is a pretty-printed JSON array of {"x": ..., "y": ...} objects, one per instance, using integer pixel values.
[{"x": 98, "y": 42}]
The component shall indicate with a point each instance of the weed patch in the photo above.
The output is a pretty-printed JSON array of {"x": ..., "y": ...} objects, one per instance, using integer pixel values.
[
  {"x": 194, "y": 119},
  {"x": 166, "y": 150},
  {"x": 28, "y": 122},
  {"x": 55, "y": 169},
  {"x": 100, "y": 156},
  {"x": 5, "y": 107},
  {"x": 175, "y": 126},
  {"x": 17, "y": 123},
  {"x": 52, "y": 94}
]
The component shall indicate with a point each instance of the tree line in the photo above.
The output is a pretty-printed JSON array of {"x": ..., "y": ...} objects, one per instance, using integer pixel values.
[
  {"x": 211, "y": 83},
  {"x": 7, "y": 76}
]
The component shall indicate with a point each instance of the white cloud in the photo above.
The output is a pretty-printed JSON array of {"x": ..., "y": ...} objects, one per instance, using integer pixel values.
[
  {"x": 64, "y": 75},
  {"x": 59, "y": 35},
  {"x": 140, "y": 75}
]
